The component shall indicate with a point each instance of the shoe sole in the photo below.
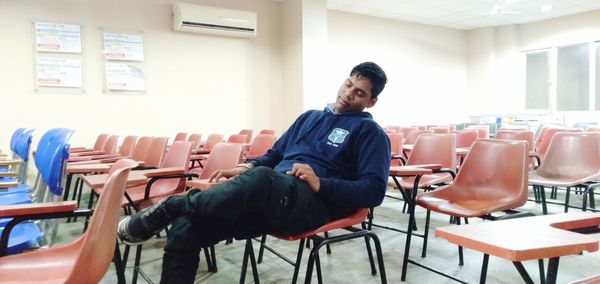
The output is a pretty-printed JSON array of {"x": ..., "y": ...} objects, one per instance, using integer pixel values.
[{"x": 123, "y": 240}]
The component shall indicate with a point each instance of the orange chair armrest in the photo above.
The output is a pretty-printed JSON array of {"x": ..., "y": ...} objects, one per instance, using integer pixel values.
[
  {"x": 202, "y": 151},
  {"x": 37, "y": 208},
  {"x": 79, "y": 159},
  {"x": 408, "y": 171},
  {"x": 163, "y": 172}
]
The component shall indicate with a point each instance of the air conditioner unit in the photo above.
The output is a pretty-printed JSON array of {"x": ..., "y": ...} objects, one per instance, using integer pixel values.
[{"x": 213, "y": 20}]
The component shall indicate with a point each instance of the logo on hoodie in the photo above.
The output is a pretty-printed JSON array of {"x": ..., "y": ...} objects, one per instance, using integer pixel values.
[{"x": 337, "y": 136}]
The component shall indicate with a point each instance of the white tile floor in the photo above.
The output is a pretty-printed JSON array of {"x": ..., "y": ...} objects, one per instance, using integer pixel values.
[{"x": 348, "y": 262}]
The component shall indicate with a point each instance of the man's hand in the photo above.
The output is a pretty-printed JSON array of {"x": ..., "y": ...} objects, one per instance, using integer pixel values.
[
  {"x": 216, "y": 175},
  {"x": 306, "y": 173}
]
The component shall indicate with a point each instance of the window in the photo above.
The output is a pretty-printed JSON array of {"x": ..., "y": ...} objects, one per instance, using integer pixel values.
[
  {"x": 573, "y": 78},
  {"x": 537, "y": 81}
]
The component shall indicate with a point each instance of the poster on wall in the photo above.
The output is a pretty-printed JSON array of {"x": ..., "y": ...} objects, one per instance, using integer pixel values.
[
  {"x": 58, "y": 72},
  {"x": 118, "y": 46},
  {"x": 53, "y": 37},
  {"x": 125, "y": 77}
]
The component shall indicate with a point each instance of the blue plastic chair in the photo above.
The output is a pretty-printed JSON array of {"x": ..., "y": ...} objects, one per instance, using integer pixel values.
[
  {"x": 53, "y": 154},
  {"x": 13, "y": 141},
  {"x": 20, "y": 145}
]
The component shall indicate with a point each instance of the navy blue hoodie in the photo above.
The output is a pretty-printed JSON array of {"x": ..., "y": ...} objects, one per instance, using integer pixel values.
[{"x": 349, "y": 152}]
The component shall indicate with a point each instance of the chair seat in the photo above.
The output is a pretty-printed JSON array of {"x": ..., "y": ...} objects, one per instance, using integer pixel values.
[
  {"x": 589, "y": 280},
  {"x": 15, "y": 198},
  {"x": 21, "y": 188},
  {"x": 137, "y": 193},
  {"x": 353, "y": 219},
  {"x": 559, "y": 180}
]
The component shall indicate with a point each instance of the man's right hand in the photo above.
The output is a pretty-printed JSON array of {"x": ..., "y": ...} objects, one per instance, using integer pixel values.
[{"x": 216, "y": 175}]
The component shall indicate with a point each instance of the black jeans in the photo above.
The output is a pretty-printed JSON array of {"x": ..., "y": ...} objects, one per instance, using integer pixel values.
[{"x": 256, "y": 202}]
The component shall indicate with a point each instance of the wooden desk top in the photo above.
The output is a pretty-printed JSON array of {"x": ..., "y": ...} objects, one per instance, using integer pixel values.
[{"x": 527, "y": 238}]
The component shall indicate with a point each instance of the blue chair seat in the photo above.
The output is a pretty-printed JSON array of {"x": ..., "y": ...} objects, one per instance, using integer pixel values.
[
  {"x": 15, "y": 198},
  {"x": 21, "y": 188},
  {"x": 23, "y": 236}
]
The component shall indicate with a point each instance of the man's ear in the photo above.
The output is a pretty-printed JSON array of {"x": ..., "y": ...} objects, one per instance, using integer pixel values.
[{"x": 372, "y": 102}]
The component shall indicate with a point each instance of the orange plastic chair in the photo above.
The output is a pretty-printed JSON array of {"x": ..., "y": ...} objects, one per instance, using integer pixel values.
[
  {"x": 125, "y": 150},
  {"x": 588, "y": 280},
  {"x": 432, "y": 149},
  {"x": 224, "y": 156},
  {"x": 396, "y": 143},
  {"x": 181, "y": 136},
  {"x": 84, "y": 260},
  {"x": 343, "y": 223},
  {"x": 572, "y": 160},
  {"x": 465, "y": 137},
  {"x": 484, "y": 130},
  {"x": 592, "y": 129},
  {"x": 524, "y": 135},
  {"x": 260, "y": 145},
  {"x": 196, "y": 140},
  {"x": 267, "y": 131},
  {"x": 492, "y": 178},
  {"x": 108, "y": 148},
  {"x": 248, "y": 133},
  {"x": 100, "y": 140},
  {"x": 546, "y": 137},
  {"x": 440, "y": 129},
  {"x": 156, "y": 151},
  {"x": 237, "y": 138},
  {"x": 211, "y": 141},
  {"x": 412, "y": 136},
  {"x": 405, "y": 131}
]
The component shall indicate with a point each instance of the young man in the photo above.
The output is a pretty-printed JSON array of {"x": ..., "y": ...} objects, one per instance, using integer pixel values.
[{"x": 327, "y": 165}]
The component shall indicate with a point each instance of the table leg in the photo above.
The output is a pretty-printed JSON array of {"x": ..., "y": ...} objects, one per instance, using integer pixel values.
[
  {"x": 484, "y": 267},
  {"x": 411, "y": 223},
  {"x": 552, "y": 270},
  {"x": 523, "y": 272}
]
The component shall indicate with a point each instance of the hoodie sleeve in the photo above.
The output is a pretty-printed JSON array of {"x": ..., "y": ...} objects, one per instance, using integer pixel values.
[{"x": 373, "y": 165}]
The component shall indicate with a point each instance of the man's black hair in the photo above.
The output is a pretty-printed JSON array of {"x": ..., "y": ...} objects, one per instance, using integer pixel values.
[{"x": 375, "y": 75}]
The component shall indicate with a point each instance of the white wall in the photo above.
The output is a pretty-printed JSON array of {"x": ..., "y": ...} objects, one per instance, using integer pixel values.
[
  {"x": 496, "y": 67},
  {"x": 425, "y": 65},
  {"x": 194, "y": 83}
]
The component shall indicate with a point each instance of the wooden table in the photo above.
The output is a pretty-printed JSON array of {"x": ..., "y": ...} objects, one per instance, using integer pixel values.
[{"x": 530, "y": 238}]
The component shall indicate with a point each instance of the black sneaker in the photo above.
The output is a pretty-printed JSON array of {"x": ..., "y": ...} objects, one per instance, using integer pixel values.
[{"x": 139, "y": 227}]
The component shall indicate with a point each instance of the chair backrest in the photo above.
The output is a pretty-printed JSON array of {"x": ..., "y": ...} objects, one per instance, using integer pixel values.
[
  {"x": 465, "y": 137},
  {"x": 96, "y": 246},
  {"x": 212, "y": 140},
  {"x": 248, "y": 133},
  {"x": 111, "y": 144},
  {"x": 57, "y": 154},
  {"x": 100, "y": 140},
  {"x": 127, "y": 146},
  {"x": 592, "y": 129},
  {"x": 141, "y": 148},
  {"x": 525, "y": 135},
  {"x": 178, "y": 155},
  {"x": 196, "y": 139},
  {"x": 23, "y": 144},
  {"x": 572, "y": 155},
  {"x": 14, "y": 139},
  {"x": 261, "y": 144},
  {"x": 237, "y": 138},
  {"x": 546, "y": 138},
  {"x": 181, "y": 136},
  {"x": 412, "y": 136},
  {"x": 484, "y": 130},
  {"x": 156, "y": 151},
  {"x": 494, "y": 170},
  {"x": 395, "y": 146},
  {"x": 267, "y": 131},
  {"x": 434, "y": 149},
  {"x": 223, "y": 156},
  {"x": 440, "y": 129}
]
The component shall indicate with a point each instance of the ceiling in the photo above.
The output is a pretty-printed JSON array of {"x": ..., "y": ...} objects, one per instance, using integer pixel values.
[{"x": 464, "y": 14}]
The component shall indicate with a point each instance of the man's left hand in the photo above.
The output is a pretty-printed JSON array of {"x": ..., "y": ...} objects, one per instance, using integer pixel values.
[{"x": 305, "y": 172}]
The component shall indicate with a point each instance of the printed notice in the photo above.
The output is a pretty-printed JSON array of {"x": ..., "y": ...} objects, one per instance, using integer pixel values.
[
  {"x": 122, "y": 76},
  {"x": 123, "y": 47},
  {"x": 58, "y": 72},
  {"x": 52, "y": 37}
]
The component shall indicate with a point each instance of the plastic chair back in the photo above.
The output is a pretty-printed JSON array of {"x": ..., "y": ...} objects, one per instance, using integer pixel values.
[
  {"x": 440, "y": 129},
  {"x": 572, "y": 155},
  {"x": 547, "y": 136},
  {"x": 412, "y": 136},
  {"x": 111, "y": 144},
  {"x": 127, "y": 146},
  {"x": 21, "y": 148},
  {"x": 97, "y": 244},
  {"x": 223, "y": 156},
  {"x": 260, "y": 145},
  {"x": 178, "y": 156},
  {"x": 212, "y": 140},
  {"x": 248, "y": 133},
  {"x": 156, "y": 151},
  {"x": 395, "y": 146},
  {"x": 484, "y": 130},
  {"x": 267, "y": 131},
  {"x": 100, "y": 141},
  {"x": 516, "y": 135},
  {"x": 405, "y": 131},
  {"x": 14, "y": 139},
  {"x": 181, "y": 136},
  {"x": 592, "y": 129},
  {"x": 237, "y": 138},
  {"x": 196, "y": 140},
  {"x": 141, "y": 148},
  {"x": 434, "y": 149},
  {"x": 466, "y": 138}
]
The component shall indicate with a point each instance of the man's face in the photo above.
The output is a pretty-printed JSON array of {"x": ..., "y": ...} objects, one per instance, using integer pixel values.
[{"x": 354, "y": 95}]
